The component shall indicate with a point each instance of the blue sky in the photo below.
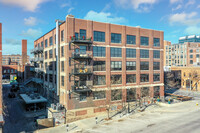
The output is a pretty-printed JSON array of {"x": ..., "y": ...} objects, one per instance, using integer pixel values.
[{"x": 29, "y": 19}]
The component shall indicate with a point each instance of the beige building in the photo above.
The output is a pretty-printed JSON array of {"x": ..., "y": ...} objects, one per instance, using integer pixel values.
[{"x": 9, "y": 59}]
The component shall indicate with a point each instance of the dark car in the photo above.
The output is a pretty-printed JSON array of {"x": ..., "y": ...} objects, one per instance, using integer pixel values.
[{"x": 11, "y": 95}]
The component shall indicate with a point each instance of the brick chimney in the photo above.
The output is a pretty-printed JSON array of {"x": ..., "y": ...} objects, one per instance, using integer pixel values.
[{"x": 24, "y": 52}]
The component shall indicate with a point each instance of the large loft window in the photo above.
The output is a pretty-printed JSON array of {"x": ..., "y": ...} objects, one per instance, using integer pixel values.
[
  {"x": 81, "y": 50},
  {"x": 144, "y": 65},
  {"x": 156, "y": 65},
  {"x": 46, "y": 43},
  {"x": 115, "y": 38},
  {"x": 99, "y": 36},
  {"x": 46, "y": 55},
  {"x": 116, "y": 95},
  {"x": 144, "y": 77},
  {"x": 131, "y": 94},
  {"x": 51, "y": 41},
  {"x": 50, "y": 65},
  {"x": 50, "y": 54},
  {"x": 144, "y": 53},
  {"x": 62, "y": 80},
  {"x": 99, "y": 66},
  {"x": 116, "y": 65},
  {"x": 99, "y": 51},
  {"x": 130, "y": 39},
  {"x": 156, "y": 91},
  {"x": 130, "y": 53},
  {"x": 144, "y": 41},
  {"x": 42, "y": 44},
  {"x": 130, "y": 65},
  {"x": 99, "y": 79},
  {"x": 156, "y": 77},
  {"x": 62, "y": 66},
  {"x": 156, "y": 54},
  {"x": 156, "y": 42},
  {"x": 62, "y": 51},
  {"x": 62, "y": 35},
  {"x": 145, "y": 92},
  {"x": 130, "y": 78},
  {"x": 82, "y": 34},
  {"x": 115, "y": 52},
  {"x": 116, "y": 79}
]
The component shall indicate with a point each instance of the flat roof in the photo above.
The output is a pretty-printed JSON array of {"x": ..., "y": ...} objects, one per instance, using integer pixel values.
[{"x": 28, "y": 100}]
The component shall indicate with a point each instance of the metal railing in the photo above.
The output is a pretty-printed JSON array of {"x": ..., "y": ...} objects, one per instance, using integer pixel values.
[
  {"x": 84, "y": 70},
  {"x": 36, "y": 59},
  {"x": 37, "y": 49},
  {"x": 82, "y": 55},
  {"x": 83, "y": 85}
]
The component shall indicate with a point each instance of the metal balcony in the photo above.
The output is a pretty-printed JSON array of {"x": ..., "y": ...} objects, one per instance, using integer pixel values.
[
  {"x": 82, "y": 86},
  {"x": 78, "y": 55},
  {"x": 37, "y": 50},
  {"x": 39, "y": 70},
  {"x": 82, "y": 71},
  {"x": 81, "y": 40},
  {"x": 37, "y": 59}
]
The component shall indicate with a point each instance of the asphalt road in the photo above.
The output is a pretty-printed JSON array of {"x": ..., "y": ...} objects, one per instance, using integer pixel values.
[{"x": 15, "y": 121}]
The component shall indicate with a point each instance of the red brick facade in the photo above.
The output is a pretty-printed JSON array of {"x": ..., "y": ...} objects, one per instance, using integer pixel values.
[{"x": 73, "y": 25}]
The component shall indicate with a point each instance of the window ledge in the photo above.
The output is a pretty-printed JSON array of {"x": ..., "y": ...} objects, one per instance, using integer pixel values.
[{"x": 99, "y": 99}]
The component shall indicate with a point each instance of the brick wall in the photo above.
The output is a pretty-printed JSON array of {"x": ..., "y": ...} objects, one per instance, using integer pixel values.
[{"x": 0, "y": 68}]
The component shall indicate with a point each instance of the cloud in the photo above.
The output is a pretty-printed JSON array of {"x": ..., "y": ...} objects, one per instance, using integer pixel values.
[
  {"x": 175, "y": 1},
  {"x": 137, "y": 5},
  {"x": 31, "y": 21},
  {"x": 69, "y": 10},
  {"x": 107, "y": 6},
  {"x": 32, "y": 33},
  {"x": 64, "y": 5},
  {"x": 192, "y": 30},
  {"x": 10, "y": 41},
  {"x": 190, "y": 2},
  {"x": 184, "y": 19},
  {"x": 27, "y": 5},
  {"x": 177, "y": 8},
  {"x": 104, "y": 17},
  {"x": 198, "y": 6},
  {"x": 7, "y": 49}
]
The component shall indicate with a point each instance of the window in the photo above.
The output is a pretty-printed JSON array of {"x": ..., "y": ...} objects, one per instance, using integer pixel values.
[
  {"x": 130, "y": 78},
  {"x": 62, "y": 80},
  {"x": 55, "y": 65},
  {"x": 55, "y": 52},
  {"x": 116, "y": 95},
  {"x": 99, "y": 95},
  {"x": 50, "y": 54},
  {"x": 62, "y": 35},
  {"x": 191, "y": 61},
  {"x": 144, "y": 53},
  {"x": 50, "y": 77},
  {"x": 42, "y": 45},
  {"x": 83, "y": 96},
  {"x": 145, "y": 92},
  {"x": 156, "y": 77},
  {"x": 191, "y": 56},
  {"x": 144, "y": 78},
  {"x": 116, "y": 65},
  {"x": 156, "y": 54},
  {"x": 62, "y": 51},
  {"x": 115, "y": 38},
  {"x": 191, "y": 51},
  {"x": 55, "y": 39},
  {"x": 99, "y": 36},
  {"x": 50, "y": 41},
  {"x": 51, "y": 66},
  {"x": 116, "y": 52},
  {"x": 197, "y": 55},
  {"x": 116, "y": 79},
  {"x": 130, "y": 39},
  {"x": 46, "y": 77},
  {"x": 156, "y": 65},
  {"x": 46, "y": 43},
  {"x": 82, "y": 34},
  {"x": 156, "y": 91},
  {"x": 144, "y": 41},
  {"x": 130, "y": 53},
  {"x": 144, "y": 65},
  {"x": 131, "y": 94},
  {"x": 130, "y": 65},
  {"x": 62, "y": 66},
  {"x": 46, "y": 67},
  {"x": 46, "y": 55},
  {"x": 99, "y": 79},
  {"x": 99, "y": 51},
  {"x": 156, "y": 42},
  {"x": 76, "y": 36},
  {"x": 99, "y": 66}
]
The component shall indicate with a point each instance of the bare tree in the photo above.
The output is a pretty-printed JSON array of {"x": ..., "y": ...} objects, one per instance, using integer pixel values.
[{"x": 195, "y": 78}]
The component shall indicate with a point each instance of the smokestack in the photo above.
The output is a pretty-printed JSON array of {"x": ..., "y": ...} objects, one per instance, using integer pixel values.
[{"x": 24, "y": 52}]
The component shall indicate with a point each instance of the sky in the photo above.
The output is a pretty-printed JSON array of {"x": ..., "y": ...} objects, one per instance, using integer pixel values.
[{"x": 29, "y": 19}]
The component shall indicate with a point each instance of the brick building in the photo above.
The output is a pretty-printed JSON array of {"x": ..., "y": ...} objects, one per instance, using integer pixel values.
[
  {"x": 183, "y": 54},
  {"x": 191, "y": 38},
  {"x": 12, "y": 59},
  {"x": 100, "y": 63}
]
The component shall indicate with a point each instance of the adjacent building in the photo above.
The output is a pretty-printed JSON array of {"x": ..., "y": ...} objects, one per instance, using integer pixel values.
[
  {"x": 12, "y": 59},
  {"x": 99, "y": 64},
  {"x": 191, "y": 38},
  {"x": 182, "y": 54}
]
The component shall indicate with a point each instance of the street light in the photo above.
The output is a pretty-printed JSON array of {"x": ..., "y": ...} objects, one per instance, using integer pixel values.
[{"x": 96, "y": 118}]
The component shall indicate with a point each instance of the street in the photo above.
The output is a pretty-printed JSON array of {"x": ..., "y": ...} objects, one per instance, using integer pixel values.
[{"x": 15, "y": 121}]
